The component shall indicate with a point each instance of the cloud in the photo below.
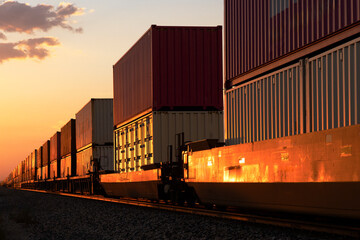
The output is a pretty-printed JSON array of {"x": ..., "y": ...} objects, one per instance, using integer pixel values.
[
  {"x": 30, "y": 48},
  {"x": 2, "y": 36},
  {"x": 23, "y": 18}
]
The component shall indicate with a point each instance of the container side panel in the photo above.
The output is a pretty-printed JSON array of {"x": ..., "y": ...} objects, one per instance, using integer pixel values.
[
  {"x": 265, "y": 108},
  {"x": 132, "y": 81},
  {"x": 187, "y": 68},
  {"x": 55, "y": 142},
  {"x": 68, "y": 143},
  {"x": 102, "y": 123},
  {"x": 46, "y": 153},
  {"x": 84, "y": 126}
]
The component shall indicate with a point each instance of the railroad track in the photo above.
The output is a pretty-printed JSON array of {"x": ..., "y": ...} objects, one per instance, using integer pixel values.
[{"x": 343, "y": 230}]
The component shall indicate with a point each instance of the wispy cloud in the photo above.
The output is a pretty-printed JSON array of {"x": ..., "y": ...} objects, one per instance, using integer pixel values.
[
  {"x": 20, "y": 17},
  {"x": 31, "y": 48},
  {"x": 23, "y": 18}
]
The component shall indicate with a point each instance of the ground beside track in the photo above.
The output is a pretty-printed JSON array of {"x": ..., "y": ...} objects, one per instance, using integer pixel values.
[{"x": 30, "y": 215}]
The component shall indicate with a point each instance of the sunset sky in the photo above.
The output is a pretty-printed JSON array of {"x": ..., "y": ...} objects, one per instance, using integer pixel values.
[{"x": 55, "y": 56}]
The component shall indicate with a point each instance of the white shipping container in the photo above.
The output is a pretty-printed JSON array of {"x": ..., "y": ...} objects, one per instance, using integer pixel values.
[
  {"x": 105, "y": 155},
  {"x": 145, "y": 140},
  {"x": 94, "y": 123}
]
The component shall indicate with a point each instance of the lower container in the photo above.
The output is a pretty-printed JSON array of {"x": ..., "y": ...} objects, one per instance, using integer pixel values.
[
  {"x": 103, "y": 154},
  {"x": 45, "y": 172},
  {"x": 148, "y": 139},
  {"x": 53, "y": 169}
]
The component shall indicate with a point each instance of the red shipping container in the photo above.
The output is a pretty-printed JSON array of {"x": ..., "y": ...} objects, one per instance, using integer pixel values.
[
  {"x": 260, "y": 31},
  {"x": 55, "y": 142},
  {"x": 170, "y": 68}
]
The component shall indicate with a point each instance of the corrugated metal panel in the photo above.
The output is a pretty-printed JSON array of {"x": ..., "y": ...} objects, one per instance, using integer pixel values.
[
  {"x": 46, "y": 153},
  {"x": 146, "y": 140},
  {"x": 53, "y": 169},
  {"x": 267, "y": 107},
  {"x": 33, "y": 159},
  {"x": 257, "y": 32},
  {"x": 45, "y": 172},
  {"x": 94, "y": 123},
  {"x": 333, "y": 84},
  {"x": 39, "y": 158},
  {"x": 103, "y": 122},
  {"x": 105, "y": 155},
  {"x": 55, "y": 143},
  {"x": 66, "y": 166},
  {"x": 170, "y": 68},
  {"x": 68, "y": 141}
]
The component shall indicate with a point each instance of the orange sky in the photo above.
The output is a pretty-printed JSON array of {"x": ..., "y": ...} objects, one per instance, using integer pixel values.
[{"x": 42, "y": 90}]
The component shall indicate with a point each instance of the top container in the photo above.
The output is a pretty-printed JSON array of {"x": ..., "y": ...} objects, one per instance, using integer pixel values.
[
  {"x": 170, "y": 68},
  {"x": 94, "y": 123},
  {"x": 55, "y": 142},
  {"x": 39, "y": 157},
  {"x": 260, "y": 31},
  {"x": 46, "y": 153},
  {"x": 68, "y": 144}
]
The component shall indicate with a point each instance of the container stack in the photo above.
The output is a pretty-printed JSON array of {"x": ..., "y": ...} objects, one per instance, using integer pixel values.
[
  {"x": 55, "y": 155},
  {"x": 169, "y": 82},
  {"x": 94, "y": 139},
  {"x": 45, "y": 160},
  {"x": 68, "y": 150},
  {"x": 293, "y": 70}
]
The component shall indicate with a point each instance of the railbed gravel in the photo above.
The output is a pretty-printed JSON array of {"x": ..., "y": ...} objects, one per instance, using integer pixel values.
[{"x": 31, "y": 215}]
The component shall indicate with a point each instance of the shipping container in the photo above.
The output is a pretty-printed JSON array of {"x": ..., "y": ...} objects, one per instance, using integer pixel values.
[
  {"x": 46, "y": 153},
  {"x": 68, "y": 149},
  {"x": 39, "y": 157},
  {"x": 54, "y": 172},
  {"x": 45, "y": 172},
  {"x": 103, "y": 154},
  {"x": 146, "y": 140},
  {"x": 268, "y": 107},
  {"x": 333, "y": 83},
  {"x": 170, "y": 68},
  {"x": 257, "y": 32},
  {"x": 55, "y": 143},
  {"x": 94, "y": 123}
]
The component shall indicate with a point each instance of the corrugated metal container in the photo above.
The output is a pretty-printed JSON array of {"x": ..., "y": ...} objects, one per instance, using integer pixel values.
[
  {"x": 333, "y": 83},
  {"x": 68, "y": 149},
  {"x": 68, "y": 140},
  {"x": 39, "y": 157},
  {"x": 145, "y": 141},
  {"x": 94, "y": 123},
  {"x": 33, "y": 157},
  {"x": 268, "y": 107},
  {"x": 259, "y": 31},
  {"x": 46, "y": 154},
  {"x": 66, "y": 166},
  {"x": 54, "y": 169},
  {"x": 45, "y": 172},
  {"x": 170, "y": 68},
  {"x": 104, "y": 154},
  {"x": 55, "y": 143}
]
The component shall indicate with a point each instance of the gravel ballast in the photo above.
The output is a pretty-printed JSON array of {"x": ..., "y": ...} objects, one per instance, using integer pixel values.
[{"x": 31, "y": 215}]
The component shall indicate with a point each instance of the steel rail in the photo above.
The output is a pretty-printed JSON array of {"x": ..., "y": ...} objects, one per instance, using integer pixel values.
[{"x": 274, "y": 221}]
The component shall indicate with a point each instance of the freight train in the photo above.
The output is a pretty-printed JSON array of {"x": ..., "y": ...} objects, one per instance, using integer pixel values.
[{"x": 292, "y": 116}]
